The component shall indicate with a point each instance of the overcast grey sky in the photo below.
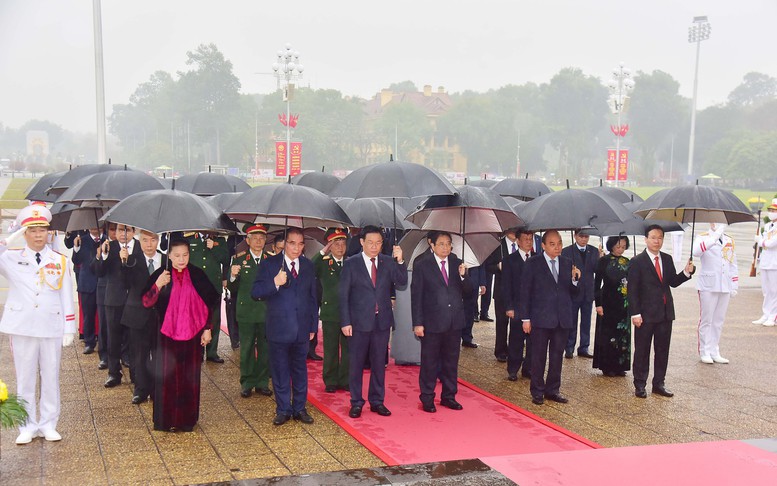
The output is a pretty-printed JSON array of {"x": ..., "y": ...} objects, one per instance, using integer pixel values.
[{"x": 360, "y": 46}]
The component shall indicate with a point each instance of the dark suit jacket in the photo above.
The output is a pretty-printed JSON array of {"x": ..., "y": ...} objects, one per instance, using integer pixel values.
[
  {"x": 111, "y": 270},
  {"x": 136, "y": 277},
  {"x": 436, "y": 306},
  {"x": 646, "y": 292},
  {"x": 587, "y": 266},
  {"x": 512, "y": 273},
  {"x": 87, "y": 280},
  {"x": 292, "y": 310},
  {"x": 492, "y": 266},
  {"x": 543, "y": 301},
  {"x": 358, "y": 297}
]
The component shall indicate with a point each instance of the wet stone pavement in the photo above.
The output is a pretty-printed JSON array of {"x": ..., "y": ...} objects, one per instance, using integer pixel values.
[{"x": 107, "y": 440}]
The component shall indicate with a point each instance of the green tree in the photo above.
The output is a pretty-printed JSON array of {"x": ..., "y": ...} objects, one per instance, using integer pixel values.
[
  {"x": 403, "y": 87},
  {"x": 756, "y": 88},
  {"x": 403, "y": 125}
]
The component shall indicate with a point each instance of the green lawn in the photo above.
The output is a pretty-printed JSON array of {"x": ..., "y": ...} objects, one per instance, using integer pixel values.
[{"x": 13, "y": 197}]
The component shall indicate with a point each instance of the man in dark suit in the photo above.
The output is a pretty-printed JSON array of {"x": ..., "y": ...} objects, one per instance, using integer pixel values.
[
  {"x": 102, "y": 283},
  {"x": 287, "y": 282},
  {"x": 512, "y": 275},
  {"x": 437, "y": 301},
  {"x": 651, "y": 274},
  {"x": 493, "y": 265},
  {"x": 113, "y": 255},
  {"x": 548, "y": 284},
  {"x": 366, "y": 315},
  {"x": 584, "y": 257},
  {"x": 139, "y": 321},
  {"x": 85, "y": 247}
]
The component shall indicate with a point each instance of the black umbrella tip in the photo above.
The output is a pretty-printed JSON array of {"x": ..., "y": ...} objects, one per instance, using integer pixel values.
[
  {"x": 527, "y": 176},
  {"x": 391, "y": 157}
]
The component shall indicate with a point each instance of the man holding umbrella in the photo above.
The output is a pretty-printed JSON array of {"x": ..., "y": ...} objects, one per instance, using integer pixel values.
[
  {"x": 651, "y": 274},
  {"x": 585, "y": 257},
  {"x": 767, "y": 244}
]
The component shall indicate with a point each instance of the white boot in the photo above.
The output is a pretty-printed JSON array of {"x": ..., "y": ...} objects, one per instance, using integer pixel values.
[
  {"x": 706, "y": 359},
  {"x": 760, "y": 320},
  {"x": 720, "y": 359},
  {"x": 768, "y": 323}
]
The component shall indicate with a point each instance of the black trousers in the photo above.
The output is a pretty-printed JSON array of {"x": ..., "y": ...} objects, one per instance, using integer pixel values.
[
  {"x": 102, "y": 317},
  {"x": 518, "y": 341},
  {"x": 142, "y": 348},
  {"x": 500, "y": 341},
  {"x": 547, "y": 345},
  {"x": 115, "y": 339},
  {"x": 648, "y": 333},
  {"x": 372, "y": 345},
  {"x": 439, "y": 358},
  {"x": 485, "y": 299},
  {"x": 89, "y": 310}
]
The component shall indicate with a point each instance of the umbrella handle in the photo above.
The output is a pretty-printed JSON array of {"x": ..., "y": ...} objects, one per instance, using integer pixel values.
[{"x": 693, "y": 231}]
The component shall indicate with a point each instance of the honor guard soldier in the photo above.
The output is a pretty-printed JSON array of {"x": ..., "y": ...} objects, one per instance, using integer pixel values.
[
  {"x": 39, "y": 319},
  {"x": 251, "y": 314},
  {"x": 209, "y": 252},
  {"x": 767, "y": 248},
  {"x": 329, "y": 263}
]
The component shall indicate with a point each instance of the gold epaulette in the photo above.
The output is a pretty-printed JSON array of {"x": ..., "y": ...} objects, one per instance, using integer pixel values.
[
  {"x": 189, "y": 234},
  {"x": 327, "y": 257},
  {"x": 240, "y": 254}
]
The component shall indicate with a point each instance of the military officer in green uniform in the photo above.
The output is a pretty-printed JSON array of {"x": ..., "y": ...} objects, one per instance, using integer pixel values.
[
  {"x": 209, "y": 252},
  {"x": 328, "y": 264},
  {"x": 251, "y": 314}
]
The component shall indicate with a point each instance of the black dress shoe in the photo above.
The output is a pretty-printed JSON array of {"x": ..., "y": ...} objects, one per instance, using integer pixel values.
[
  {"x": 537, "y": 400},
  {"x": 89, "y": 350},
  {"x": 137, "y": 400},
  {"x": 216, "y": 359},
  {"x": 585, "y": 354},
  {"x": 557, "y": 397},
  {"x": 102, "y": 365},
  {"x": 502, "y": 359},
  {"x": 314, "y": 357},
  {"x": 113, "y": 381},
  {"x": 660, "y": 390},
  {"x": 486, "y": 319},
  {"x": 451, "y": 403},
  {"x": 304, "y": 417},
  {"x": 263, "y": 391},
  {"x": 236, "y": 346},
  {"x": 380, "y": 410},
  {"x": 344, "y": 388},
  {"x": 330, "y": 389},
  {"x": 476, "y": 319},
  {"x": 429, "y": 407},
  {"x": 512, "y": 376},
  {"x": 640, "y": 393},
  {"x": 355, "y": 412},
  {"x": 468, "y": 344},
  {"x": 526, "y": 374},
  {"x": 280, "y": 419},
  {"x": 125, "y": 363},
  {"x": 246, "y": 393},
  {"x": 568, "y": 355}
]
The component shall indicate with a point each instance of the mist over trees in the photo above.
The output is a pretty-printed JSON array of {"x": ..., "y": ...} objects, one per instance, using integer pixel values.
[{"x": 558, "y": 129}]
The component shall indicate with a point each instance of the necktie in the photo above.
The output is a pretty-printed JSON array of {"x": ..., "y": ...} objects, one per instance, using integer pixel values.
[
  {"x": 658, "y": 270},
  {"x": 150, "y": 266},
  {"x": 374, "y": 273},
  {"x": 339, "y": 264},
  {"x": 444, "y": 273},
  {"x": 553, "y": 270},
  {"x": 37, "y": 258},
  {"x": 256, "y": 260},
  {"x": 293, "y": 270},
  {"x": 514, "y": 248},
  {"x": 525, "y": 257}
]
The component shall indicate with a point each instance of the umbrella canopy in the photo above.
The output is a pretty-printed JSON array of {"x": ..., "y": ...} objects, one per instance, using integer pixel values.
[
  {"x": 524, "y": 189},
  {"x": 374, "y": 211},
  {"x": 166, "y": 182},
  {"x": 634, "y": 226},
  {"x": 472, "y": 210},
  {"x": 112, "y": 186},
  {"x": 77, "y": 173},
  {"x": 571, "y": 209},
  {"x": 319, "y": 181},
  {"x": 40, "y": 190},
  {"x": 224, "y": 200},
  {"x": 618, "y": 193},
  {"x": 209, "y": 184},
  {"x": 687, "y": 204},
  {"x": 473, "y": 251},
  {"x": 393, "y": 179},
  {"x": 489, "y": 183},
  {"x": 70, "y": 217},
  {"x": 288, "y": 205},
  {"x": 165, "y": 210}
]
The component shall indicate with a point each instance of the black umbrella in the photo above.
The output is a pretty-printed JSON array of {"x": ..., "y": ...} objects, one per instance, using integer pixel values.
[
  {"x": 165, "y": 210},
  {"x": 571, "y": 209},
  {"x": 689, "y": 204},
  {"x": 70, "y": 217},
  {"x": 489, "y": 183},
  {"x": 288, "y": 205},
  {"x": 319, "y": 181},
  {"x": 40, "y": 190},
  {"x": 209, "y": 184},
  {"x": 374, "y": 211},
  {"x": 525, "y": 189},
  {"x": 224, "y": 200},
  {"x": 109, "y": 187},
  {"x": 618, "y": 193},
  {"x": 77, "y": 173}
]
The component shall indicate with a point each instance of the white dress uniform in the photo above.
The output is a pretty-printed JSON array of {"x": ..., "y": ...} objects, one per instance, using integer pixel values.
[
  {"x": 38, "y": 313},
  {"x": 767, "y": 263},
  {"x": 717, "y": 281}
]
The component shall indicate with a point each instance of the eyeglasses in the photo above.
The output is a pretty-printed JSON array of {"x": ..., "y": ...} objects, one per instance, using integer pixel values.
[{"x": 373, "y": 243}]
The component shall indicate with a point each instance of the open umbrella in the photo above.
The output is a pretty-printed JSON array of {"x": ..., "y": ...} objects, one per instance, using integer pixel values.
[
  {"x": 489, "y": 183},
  {"x": 209, "y": 184},
  {"x": 70, "y": 217},
  {"x": 317, "y": 180},
  {"x": 109, "y": 187},
  {"x": 572, "y": 209},
  {"x": 77, "y": 173},
  {"x": 618, "y": 193},
  {"x": 374, "y": 211},
  {"x": 525, "y": 189},
  {"x": 224, "y": 200},
  {"x": 40, "y": 190}
]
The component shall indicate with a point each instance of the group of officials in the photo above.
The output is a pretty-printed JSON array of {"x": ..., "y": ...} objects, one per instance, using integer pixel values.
[{"x": 540, "y": 290}]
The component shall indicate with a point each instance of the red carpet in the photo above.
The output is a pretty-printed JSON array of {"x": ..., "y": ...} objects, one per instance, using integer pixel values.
[
  {"x": 486, "y": 427},
  {"x": 720, "y": 463}
]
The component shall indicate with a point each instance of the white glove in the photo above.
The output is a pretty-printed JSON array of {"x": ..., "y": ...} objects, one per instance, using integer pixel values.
[
  {"x": 16, "y": 239},
  {"x": 67, "y": 339},
  {"x": 734, "y": 292}
]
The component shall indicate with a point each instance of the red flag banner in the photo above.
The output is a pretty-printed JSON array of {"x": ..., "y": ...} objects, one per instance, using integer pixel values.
[
  {"x": 280, "y": 159},
  {"x": 623, "y": 165},
  {"x": 611, "y": 165},
  {"x": 296, "y": 158}
]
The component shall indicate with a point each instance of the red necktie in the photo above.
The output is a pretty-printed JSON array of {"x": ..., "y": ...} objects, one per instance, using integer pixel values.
[
  {"x": 658, "y": 270},
  {"x": 374, "y": 273},
  {"x": 444, "y": 273},
  {"x": 293, "y": 270}
]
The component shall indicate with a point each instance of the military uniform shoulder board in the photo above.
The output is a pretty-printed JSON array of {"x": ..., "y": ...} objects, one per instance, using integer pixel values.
[
  {"x": 189, "y": 234},
  {"x": 270, "y": 253},
  {"x": 58, "y": 253},
  {"x": 327, "y": 258},
  {"x": 240, "y": 254}
]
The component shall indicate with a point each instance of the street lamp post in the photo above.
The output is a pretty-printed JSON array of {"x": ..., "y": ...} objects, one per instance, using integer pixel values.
[
  {"x": 287, "y": 70},
  {"x": 699, "y": 31},
  {"x": 620, "y": 85}
]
